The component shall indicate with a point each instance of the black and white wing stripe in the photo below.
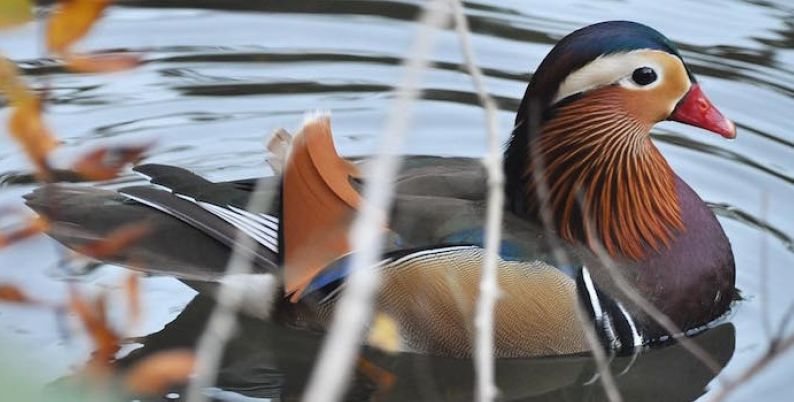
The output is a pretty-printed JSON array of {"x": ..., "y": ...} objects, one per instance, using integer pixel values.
[
  {"x": 254, "y": 225},
  {"x": 190, "y": 187},
  {"x": 614, "y": 325},
  {"x": 213, "y": 208}
]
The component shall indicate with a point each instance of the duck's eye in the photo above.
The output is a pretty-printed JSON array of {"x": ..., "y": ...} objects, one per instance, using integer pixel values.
[{"x": 643, "y": 76}]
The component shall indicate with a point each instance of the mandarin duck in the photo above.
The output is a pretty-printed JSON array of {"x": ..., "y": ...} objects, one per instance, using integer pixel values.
[{"x": 591, "y": 203}]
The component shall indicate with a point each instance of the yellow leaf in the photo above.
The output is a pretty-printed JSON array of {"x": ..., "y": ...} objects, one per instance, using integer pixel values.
[
  {"x": 10, "y": 84},
  {"x": 384, "y": 333},
  {"x": 71, "y": 20},
  {"x": 15, "y": 12},
  {"x": 26, "y": 124},
  {"x": 27, "y": 127}
]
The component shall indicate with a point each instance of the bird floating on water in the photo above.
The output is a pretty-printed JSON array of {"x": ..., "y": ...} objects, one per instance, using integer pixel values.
[{"x": 580, "y": 159}]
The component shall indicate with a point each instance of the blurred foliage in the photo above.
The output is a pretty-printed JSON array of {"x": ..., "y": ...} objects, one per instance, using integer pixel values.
[
  {"x": 19, "y": 384},
  {"x": 15, "y": 12},
  {"x": 69, "y": 21}
]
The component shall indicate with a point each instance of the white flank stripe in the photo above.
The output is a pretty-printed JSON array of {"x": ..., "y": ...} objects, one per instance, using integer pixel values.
[
  {"x": 270, "y": 218},
  {"x": 269, "y": 226},
  {"x": 149, "y": 204},
  {"x": 242, "y": 224},
  {"x": 185, "y": 197},
  {"x": 635, "y": 335},
  {"x": 261, "y": 227},
  {"x": 591, "y": 293}
]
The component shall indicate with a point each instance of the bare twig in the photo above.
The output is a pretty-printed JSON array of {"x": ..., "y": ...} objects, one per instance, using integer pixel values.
[
  {"x": 779, "y": 343},
  {"x": 766, "y": 321},
  {"x": 562, "y": 258},
  {"x": 559, "y": 253},
  {"x": 489, "y": 288},
  {"x": 541, "y": 185},
  {"x": 776, "y": 349},
  {"x": 600, "y": 357},
  {"x": 657, "y": 315},
  {"x": 621, "y": 283},
  {"x": 784, "y": 322},
  {"x": 223, "y": 320},
  {"x": 354, "y": 309}
]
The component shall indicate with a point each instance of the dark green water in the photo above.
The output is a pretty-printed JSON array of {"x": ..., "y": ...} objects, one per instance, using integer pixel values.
[{"x": 220, "y": 75}]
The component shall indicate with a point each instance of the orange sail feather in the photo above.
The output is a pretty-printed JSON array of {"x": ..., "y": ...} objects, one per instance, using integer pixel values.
[{"x": 319, "y": 204}]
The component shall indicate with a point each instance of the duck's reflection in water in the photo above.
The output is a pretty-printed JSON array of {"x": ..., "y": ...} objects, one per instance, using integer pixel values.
[{"x": 268, "y": 361}]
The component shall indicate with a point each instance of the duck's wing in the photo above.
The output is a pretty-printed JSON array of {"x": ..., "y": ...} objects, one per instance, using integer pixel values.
[
  {"x": 218, "y": 209},
  {"x": 442, "y": 201},
  {"x": 192, "y": 223},
  {"x": 80, "y": 215},
  {"x": 432, "y": 259}
]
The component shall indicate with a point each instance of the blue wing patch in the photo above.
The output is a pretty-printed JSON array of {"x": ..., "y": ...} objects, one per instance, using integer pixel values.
[{"x": 509, "y": 251}]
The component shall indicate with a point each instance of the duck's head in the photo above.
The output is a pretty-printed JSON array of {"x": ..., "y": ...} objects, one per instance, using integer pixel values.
[{"x": 582, "y": 146}]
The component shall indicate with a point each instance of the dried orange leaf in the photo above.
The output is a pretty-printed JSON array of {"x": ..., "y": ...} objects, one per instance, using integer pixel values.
[
  {"x": 102, "y": 63},
  {"x": 15, "y": 12},
  {"x": 10, "y": 84},
  {"x": 12, "y": 88},
  {"x": 106, "y": 342},
  {"x": 12, "y": 294},
  {"x": 25, "y": 123},
  {"x": 383, "y": 378},
  {"x": 71, "y": 20},
  {"x": 156, "y": 373},
  {"x": 105, "y": 163},
  {"x": 34, "y": 227},
  {"x": 132, "y": 288},
  {"x": 27, "y": 127},
  {"x": 115, "y": 242}
]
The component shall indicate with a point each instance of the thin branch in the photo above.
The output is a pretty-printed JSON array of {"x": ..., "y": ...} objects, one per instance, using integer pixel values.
[
  {"x": 354, "y": 309},
  {"x": 223, "y": 320},
  {"x": 784, "y": 322},
  {"x": 489, "y": 288},
  {"x": 766, "y": 321},
  {"x": 776, "y": 349},
  {"x": 649, "y": 308},
  {"x": 546, "y": 217},
  {"x": 600, "y": 357},
  {"x": 537, "y": 161}
]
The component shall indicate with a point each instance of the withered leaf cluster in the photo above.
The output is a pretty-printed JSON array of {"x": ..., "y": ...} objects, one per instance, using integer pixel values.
[{"x": 68, "y": 21}]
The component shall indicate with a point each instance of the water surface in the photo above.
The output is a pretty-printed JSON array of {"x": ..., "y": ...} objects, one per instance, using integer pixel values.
[{"x": 219, "y": 76}]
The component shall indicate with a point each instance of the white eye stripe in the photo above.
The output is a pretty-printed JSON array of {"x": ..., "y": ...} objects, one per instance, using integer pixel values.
[{"x": 610, "y": 69}]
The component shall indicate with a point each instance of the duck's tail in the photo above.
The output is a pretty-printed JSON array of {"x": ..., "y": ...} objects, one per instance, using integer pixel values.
[{"x": 319, "y": 202}]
